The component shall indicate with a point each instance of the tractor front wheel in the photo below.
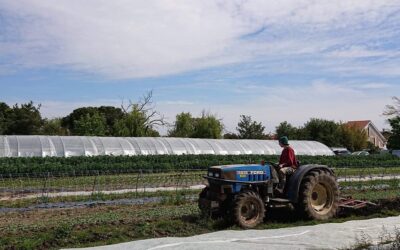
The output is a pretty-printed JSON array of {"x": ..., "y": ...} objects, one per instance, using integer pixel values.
[
  {"x": 249, "y": 209},
  {"x": 204, "y": 204}
]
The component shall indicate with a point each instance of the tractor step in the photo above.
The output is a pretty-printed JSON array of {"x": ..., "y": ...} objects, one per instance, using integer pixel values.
[
  {"x": 279, "y": 200},
  {"x": 350, "y": 203}
]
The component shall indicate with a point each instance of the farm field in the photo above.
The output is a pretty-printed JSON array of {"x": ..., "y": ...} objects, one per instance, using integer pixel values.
[
  {"x": 100, "y": 225},
  {"x": 129, "y": 120},
  {"x": 141, "y": 181},
  {"x": 365, "y": 190},
  {"x": 110, "y": 206}
]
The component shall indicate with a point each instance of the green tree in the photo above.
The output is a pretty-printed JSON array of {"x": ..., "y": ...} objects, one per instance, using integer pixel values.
[
  {"x": 25, "y": 119},
  {"x": 183, "y": 126},
  {"x": 286, "y": 129},
  {"x": 249, "y": 129},
  {"x": 135, "y": 124},
  {"x": 111, "y": 115},
  {"x": 394, "y": 139},
  {"x": 352, "y": 138},
  {"x": 372, "y": 149},
  {"x": 69, "y": 121},
  {"x": 327, "y": 132},
  {"x": 324, "y": 131},
  {"x": 230, "y": 136},
  {"x": 53, "y": 127},
  {"x": 207, "y": 126},
  {"x": 91, "y": 125},
  {"x": 5, "y": 111},
  {"x": 140, "y": 119}
]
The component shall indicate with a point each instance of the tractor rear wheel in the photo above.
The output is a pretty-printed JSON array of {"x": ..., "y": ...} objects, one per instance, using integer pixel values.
[
  {"x": 319, "y": 196},
  {"x": 249, "y": 209}
]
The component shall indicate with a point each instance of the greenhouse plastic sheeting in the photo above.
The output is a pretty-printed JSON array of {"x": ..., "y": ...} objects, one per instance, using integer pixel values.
[{"x": 65, "y": 146}]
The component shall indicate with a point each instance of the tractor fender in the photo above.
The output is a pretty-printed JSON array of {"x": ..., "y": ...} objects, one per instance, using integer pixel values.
[{"x": 297, "y": 177}]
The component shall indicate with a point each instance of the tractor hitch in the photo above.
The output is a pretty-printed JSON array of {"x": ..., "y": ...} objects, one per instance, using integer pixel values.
[{"x": 350, "y": 203}]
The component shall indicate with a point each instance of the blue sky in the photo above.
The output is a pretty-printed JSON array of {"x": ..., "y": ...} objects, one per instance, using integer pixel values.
[{"x": 274, "y": 60}]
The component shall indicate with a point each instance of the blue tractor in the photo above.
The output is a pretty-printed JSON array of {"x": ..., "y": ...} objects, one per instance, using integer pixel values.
[{"x": 245, "y": 192}]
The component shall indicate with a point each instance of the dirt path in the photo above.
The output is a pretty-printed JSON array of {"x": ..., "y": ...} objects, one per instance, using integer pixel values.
[{"x": 88, "y": 193}]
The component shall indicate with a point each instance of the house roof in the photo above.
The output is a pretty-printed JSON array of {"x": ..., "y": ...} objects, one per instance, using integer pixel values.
[
  {"x": 358, "y": 124},
  {"x": 363, "y": 124}
]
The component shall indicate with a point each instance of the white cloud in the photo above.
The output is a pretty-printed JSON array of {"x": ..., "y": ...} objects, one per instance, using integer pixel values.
[
  {"x": 319, "y": 87},
  {"x": 323, "y": 87},
  {"x": 374, "y": 85},
  {"x": 129, "y": 39},
  {"x": 361, "y": 52}
]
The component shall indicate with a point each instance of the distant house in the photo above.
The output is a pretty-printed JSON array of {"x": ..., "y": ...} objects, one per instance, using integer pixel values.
[{"x": 374, "y": 136}]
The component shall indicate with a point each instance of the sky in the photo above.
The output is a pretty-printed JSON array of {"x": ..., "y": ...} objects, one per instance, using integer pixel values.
[{"x": 288, "y": 60}]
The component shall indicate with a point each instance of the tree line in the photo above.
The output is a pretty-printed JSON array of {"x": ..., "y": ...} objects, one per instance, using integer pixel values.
[{"x": 139, "y": 119}]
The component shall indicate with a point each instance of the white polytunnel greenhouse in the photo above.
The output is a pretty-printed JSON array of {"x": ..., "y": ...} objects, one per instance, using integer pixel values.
[{"x": 66, "y": 146}]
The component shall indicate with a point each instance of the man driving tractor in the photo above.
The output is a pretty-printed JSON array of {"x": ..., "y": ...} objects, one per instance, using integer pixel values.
[
  {"x": 287, "y": 162},
  {"x": 244, "y": 192}
]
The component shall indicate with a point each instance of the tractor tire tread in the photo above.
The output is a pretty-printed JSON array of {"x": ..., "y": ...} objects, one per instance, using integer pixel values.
[
  {"x": 238, "y": 203},
  {"x": 304, "y": 207}
]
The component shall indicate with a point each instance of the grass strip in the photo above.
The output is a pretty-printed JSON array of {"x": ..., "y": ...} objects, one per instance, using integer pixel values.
[{"x": 103, "y": 225}]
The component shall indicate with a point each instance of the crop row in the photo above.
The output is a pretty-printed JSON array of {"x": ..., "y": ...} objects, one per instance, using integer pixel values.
[
  {"x": 31, "y": 165},
  {"x": 350, "y": 178}
]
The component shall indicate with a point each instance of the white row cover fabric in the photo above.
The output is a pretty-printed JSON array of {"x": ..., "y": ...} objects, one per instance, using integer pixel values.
[{"x": 65, "y": 146}]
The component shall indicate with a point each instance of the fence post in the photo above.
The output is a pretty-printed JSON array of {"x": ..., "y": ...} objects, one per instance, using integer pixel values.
[
  {"x": 144, "y": 182},
  {"x": 3, "y": 188},
  {"x": 45, "y": 184},
  {"x": 137, "y": 182},
  {"x": 28, "y": 181},
  {"x": 12, "y": 185},
  {"x": 179, "y": 180},
  {"x": 95, "y": 182},
  {"x": 2, "y": 182}
]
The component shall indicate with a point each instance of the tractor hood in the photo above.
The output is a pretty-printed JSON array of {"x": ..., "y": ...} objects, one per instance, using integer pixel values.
[
  {"x": 242, "y": 172},
  {"x": 239, "y": 167}
]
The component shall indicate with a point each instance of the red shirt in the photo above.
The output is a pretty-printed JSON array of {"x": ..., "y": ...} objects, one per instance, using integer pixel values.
[{"x": 288, "y": 159}]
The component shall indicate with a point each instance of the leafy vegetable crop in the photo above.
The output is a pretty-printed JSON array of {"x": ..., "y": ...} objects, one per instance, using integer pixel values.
[{"x": 39, "y": 165}]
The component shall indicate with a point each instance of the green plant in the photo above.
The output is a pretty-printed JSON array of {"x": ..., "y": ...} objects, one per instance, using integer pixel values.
[{"x": 39, "y": 167}]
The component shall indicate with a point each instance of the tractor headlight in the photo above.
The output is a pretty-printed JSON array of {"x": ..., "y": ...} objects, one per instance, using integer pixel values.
[
  {"x": 210, "y": 174},
  {"x": 216, "y": 175}
]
